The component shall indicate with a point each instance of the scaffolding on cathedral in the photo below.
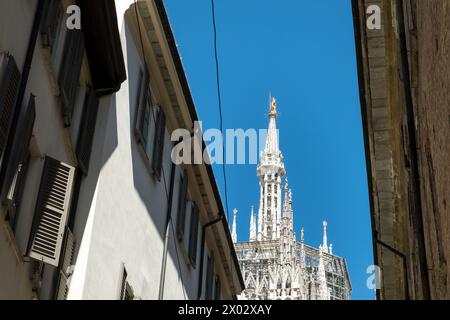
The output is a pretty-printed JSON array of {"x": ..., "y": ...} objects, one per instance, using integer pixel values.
[{"x": 274, "y": 265}]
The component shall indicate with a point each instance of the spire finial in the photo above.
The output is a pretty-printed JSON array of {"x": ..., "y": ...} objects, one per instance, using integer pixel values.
[
  {"x": 302, "y": 235},
  {"x": 233, "y": 231},
  {"x": 273, "y": 107},
  {"x": 324, "y": 243}
]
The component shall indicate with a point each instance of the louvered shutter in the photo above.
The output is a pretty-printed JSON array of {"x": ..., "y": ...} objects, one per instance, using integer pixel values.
[
  {"x": 51, "y": 213},
  {"x": 158, "y": 148},
  {"x": 49, "y": 26},
  {"x": 217, "y": 288},
  {"x": 210, "y": 277},
  {"x": 87, "y": 130},
  {"x": 181, "y": 219},
  {"x": 123, "y": 288},
  {"x": 16, "y": 165},
  {"x": 193, "y": 235},
  {"x": 9, "y": 84},
  {"x": 69, "y": 74},
  {"x": 66, "y": 265},
  {"x": 141, "y": 107}
]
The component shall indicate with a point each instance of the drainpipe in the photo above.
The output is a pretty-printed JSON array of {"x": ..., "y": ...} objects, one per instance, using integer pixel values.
[
  {"x": 202, "y": 253},
  {"x": 405, "y": 265},
  {"x": 23, "y": 80}
]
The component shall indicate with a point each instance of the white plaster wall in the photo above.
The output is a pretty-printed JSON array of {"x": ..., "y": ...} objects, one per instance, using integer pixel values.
[
  {"x": 130, "y": 207},
  {"x": 49, "y": 136},
  {"x": 122, "y": 209},
  {"x": 13, "y": 281}
]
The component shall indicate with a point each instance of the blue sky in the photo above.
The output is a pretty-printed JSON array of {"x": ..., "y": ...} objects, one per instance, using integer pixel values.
[{"x": 303, "y": 53}]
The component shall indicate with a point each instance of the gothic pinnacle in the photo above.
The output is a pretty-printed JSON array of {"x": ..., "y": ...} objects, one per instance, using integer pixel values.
[
  {"x": 233, "y": 231},
  {"x": 324, "y": 243}
]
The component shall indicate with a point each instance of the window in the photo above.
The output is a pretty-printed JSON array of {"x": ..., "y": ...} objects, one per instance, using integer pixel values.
[
  {"x": 18, "y": 162},
  {"x": 126, "y": 292},
  {"x": 52, "y": 208},
  {"x": 158, "y": 144},
  {"x": 150, "y": 126},
  {"x": 217, "y": 288},
  {"x": 193, "y": 234},
  {"x": 66, "y": 266},
  {"x": 69, "y": 73},
  {"x": 50, "y": 25},
  {"x": 181, "y": 216},
  {"x": 9, "y": 84},
  {"x": 210, "y": 277},
  {"x": 142, "y": 110}
]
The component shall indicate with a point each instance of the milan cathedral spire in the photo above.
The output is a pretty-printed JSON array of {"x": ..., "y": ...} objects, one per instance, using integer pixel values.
[
  {"x": 274, "y": 264},
  {"x": 270, "y": 171}
]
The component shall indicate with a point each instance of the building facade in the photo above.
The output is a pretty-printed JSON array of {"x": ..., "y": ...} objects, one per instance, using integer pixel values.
[
  {"x": 273, "y": 263},
  {"x": 93, "y": 207},
  {"x": 405, "y": 103}
]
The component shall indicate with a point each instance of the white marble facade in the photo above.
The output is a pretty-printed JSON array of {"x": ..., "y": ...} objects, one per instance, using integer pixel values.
[{"x": 274, "y": 265}]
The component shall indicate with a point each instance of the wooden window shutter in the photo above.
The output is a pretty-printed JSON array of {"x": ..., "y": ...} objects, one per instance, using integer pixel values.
[
  {"x": 158, "y": 148},
  {"x": 126, "y": 292},
  {"x": 66, "y": 266},
  {"x": 52, "y": 208},
  {"x": 87, "y": 130},
  {"x": 193, "y": 235},
  {"x": 15, "y": 172},
  {"x": 140, "y": 132},
  {"x": 217, "y": 288},
  {"x": 123, "y": 288},
  {"x": 181, "y": 217},
  {"x": 49, "y": 26},
  {"x": 9, "y": 84},
  {"x": 210, "y": 277},
  {"x": 69, "y": 74}
]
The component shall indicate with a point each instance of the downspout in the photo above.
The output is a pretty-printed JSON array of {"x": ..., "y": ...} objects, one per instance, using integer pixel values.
[
  {"x": 202, "y": 253},
  {"x": 23, "y": 80},
  {"x": 405, "y": 264},
  {"x": 166, "y": 234}
]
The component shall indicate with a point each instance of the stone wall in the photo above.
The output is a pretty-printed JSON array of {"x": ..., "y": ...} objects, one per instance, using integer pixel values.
[
  {"x": 404, "y": 86},
  {"x": 433, "y": 122}
]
